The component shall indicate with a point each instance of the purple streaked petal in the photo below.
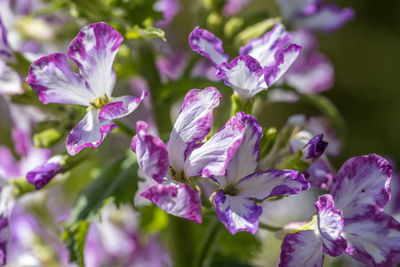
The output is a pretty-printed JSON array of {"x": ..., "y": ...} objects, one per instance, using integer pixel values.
[
  {"x": 10, "y": 81},
  {"x": 262, "y": 185},
  {"x": 330, "y": 226},
  {"x": 282, "y": 63},
  {"x": 303, "y": 248},
  {"x": 266, "y": 48},
  {"x": 54, "y": 82},
  {"x": 315, "y": 147},
  {"x": 6, "y": 52},
  {"x": 212, "y": 158},
  {"x": 94, "y": 50},
  {"x": 34, "y": 158},
  {"x": 361, "y": 186},
  {"x": 151, "y": 153},
  {"x": 89, "y": 132},
  {"x": 193, "y": 123},
  {"x": 374, "y": 241},
  {"x": 208, "y": 45},
  {"x": 244, "y": 161},
  {"x": 43, "y": 174},
  {"x": 327, "y": 18},
  {"x": 245, "y": 75},
  {"x": 178, "y": 200},
  {"x": 320, "y": 174},
  {"x": 237, "y": 213},
  {"x": 120, "y": 107}
]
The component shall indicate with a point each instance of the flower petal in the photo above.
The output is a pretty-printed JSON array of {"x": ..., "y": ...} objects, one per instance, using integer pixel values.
[
  {"x": 320, "y": 174},
  {"x": 43, "y": 174},
  {"x": 237, "y": 213},
  {"x": 151, "y": 153},
  {"x": 172, "y": 66},
  {"x": 6, "y": 53},
  {"x": 193, "y": 123},
  {"x": 208, "y": 45},
  {"x": 262, "y": 185},
  {"x": 303, "y": 248},
  {"x": 315, "y": 76},
  {"x": 54, "y": 82},
  {"x": 245, "y": 160},
  {"x": 178, "y": 200},
  {"x": 9, "y": 167},
  {"x": 361, "y": 186},
  {"x": 330, "y": 225},
  {"x": 266, "y": 48},
  {"x": 169, "y": 9},
  {"x": 315, "y": 147},
  {"x": 94, "y": 50},
  {"x": 319, "y": 124},
  {"x": 5, "y": 236},
  {"x": 244, "y": 74},
  {"x": 120, "y": 107},
  {"x": 327, "y": 18},
  {"x": 89, "y": 132},
  {"x": 212, "y": 158},
  {"x": 374, "y": 241},
  {"x": 10, "y": 82},
  {"x": 282, "y": 63}
]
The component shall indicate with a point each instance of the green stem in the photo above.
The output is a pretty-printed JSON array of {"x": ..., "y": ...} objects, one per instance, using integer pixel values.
[
  {"x": 209, "y": 239},
  {"x": 124, "y": 128},
  {"x": 180, "y": 242},
  {"x": 269, "y": 227}
]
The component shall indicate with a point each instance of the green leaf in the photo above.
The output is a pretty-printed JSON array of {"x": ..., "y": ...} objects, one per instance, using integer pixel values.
[
  {"x": 242, "y": 247},
  {"x": 116, "y": 183},
  {"x": 255, "y": 31}
]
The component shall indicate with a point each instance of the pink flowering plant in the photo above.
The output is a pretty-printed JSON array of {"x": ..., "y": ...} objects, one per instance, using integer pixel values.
[{"x": 129, "y": 138}]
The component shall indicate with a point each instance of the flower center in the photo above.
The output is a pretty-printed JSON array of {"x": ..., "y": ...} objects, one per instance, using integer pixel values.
[
  {"x": 231, "y": 190},
  {"x": 177, "y": 176},
  {"x": 99, "y": 102}
]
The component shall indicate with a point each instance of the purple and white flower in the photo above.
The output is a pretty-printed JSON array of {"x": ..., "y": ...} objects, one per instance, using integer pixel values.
[
  {"x": 235, "y": 202},
  {"x": 185, "y": 156},
  {"x": 93, "y": 50},
  {"x": 260, "y": 64},
  {"x": 322, "y": 235},
  {"x": 314, "y": 14},
  {"x": 360, "y": 192}
]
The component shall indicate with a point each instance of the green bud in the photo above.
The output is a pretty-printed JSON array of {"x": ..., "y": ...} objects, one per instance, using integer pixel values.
[
  {"x": 255, "y": 31},
  {"x": 47, "y": 138},
  {"x": 267, "y": 141},
  {"x": 233, "y": 26},
  {"x": 213, "y": 5},
  {"x": 214, "y": 21}
]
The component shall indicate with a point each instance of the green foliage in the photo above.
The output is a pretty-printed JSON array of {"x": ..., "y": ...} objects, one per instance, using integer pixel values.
[
  {"x": 117, "y": 183},
  {"x": 153, "y": 219},
  {"x": 238, "y": 249}
]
